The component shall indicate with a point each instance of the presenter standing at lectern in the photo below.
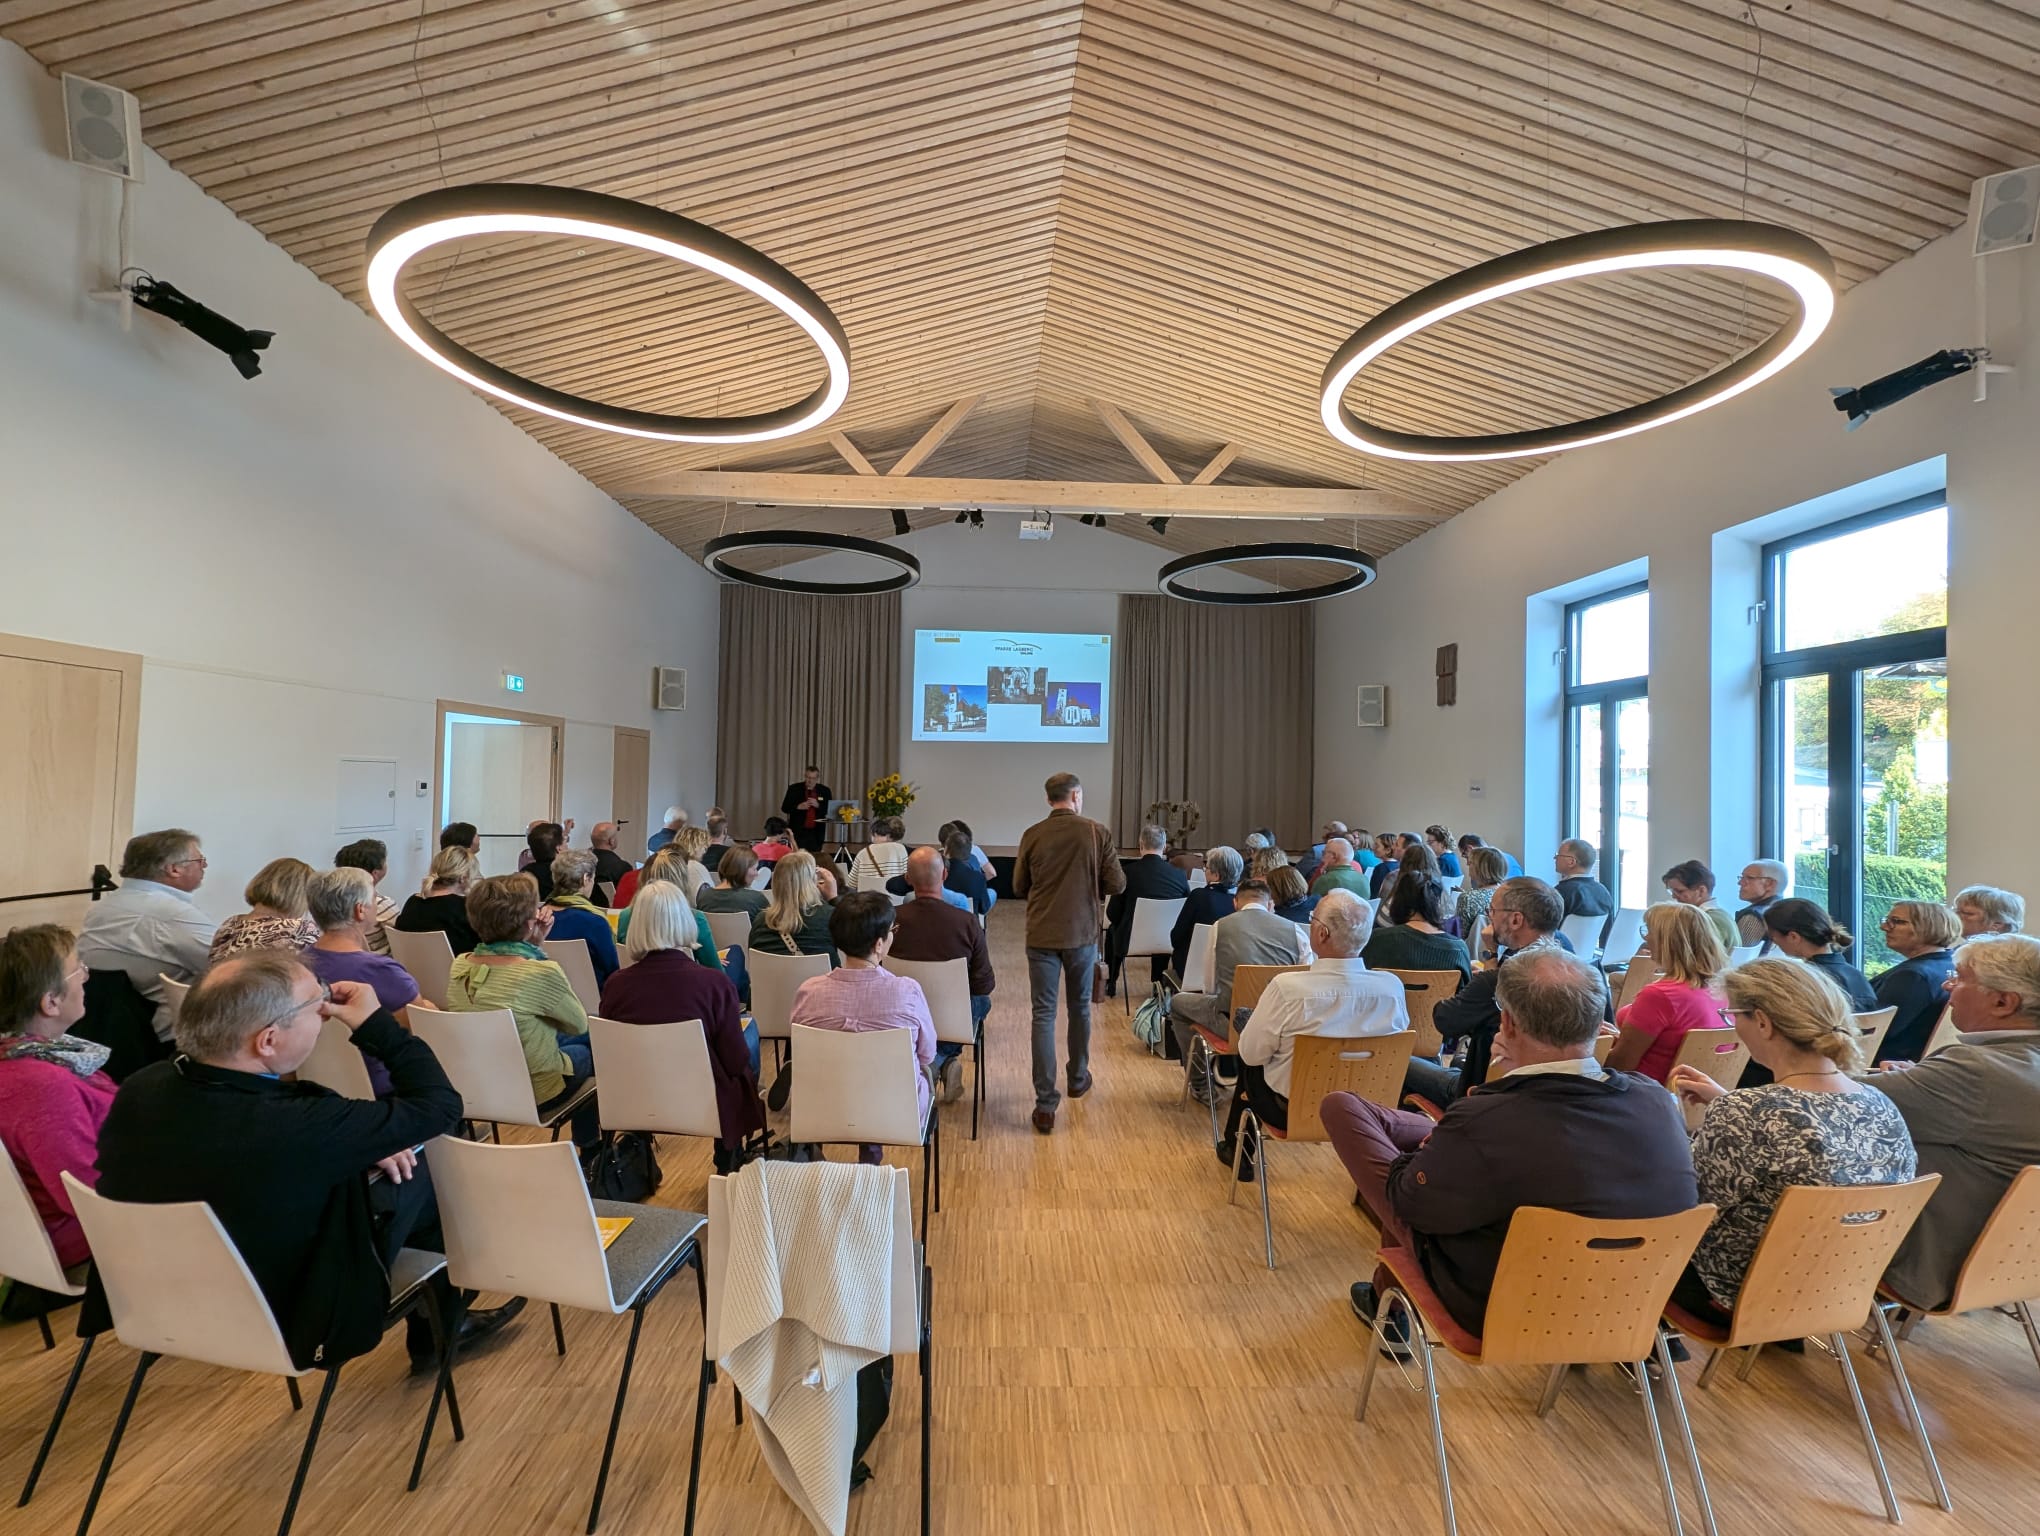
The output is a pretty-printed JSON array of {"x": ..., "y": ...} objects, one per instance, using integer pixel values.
[{"x": 806, "y": 808}]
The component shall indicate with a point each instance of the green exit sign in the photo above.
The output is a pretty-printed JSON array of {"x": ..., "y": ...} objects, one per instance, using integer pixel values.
[{"x": 513, "y": 682}]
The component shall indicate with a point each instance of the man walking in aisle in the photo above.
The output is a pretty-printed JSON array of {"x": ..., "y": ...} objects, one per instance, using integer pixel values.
[{"x": 1065, "y": 869}]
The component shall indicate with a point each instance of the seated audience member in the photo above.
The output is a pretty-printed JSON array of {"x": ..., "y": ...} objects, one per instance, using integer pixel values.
[
  {"x": 373, "y": 856},
  {"x": 150, "y": 927},
  {"x": 442, "y": 906},
  {"x": 982, "y": 859},
  {"x": 861, "y": 995},
  {"x": 1250, "y": 935},
  {"x": 1691, "y": 884},
  {"x": 1314, "y": 856},
  {"x": 1388, "y": 860},
  {"x": 664, "y": 984},
  {"x": 53, "y": 1095},
  {"x": 1339, "y": 995},
  {"x": 1468, "y": 841},
  {"x": 1439, "y": 840},
  {"x": 666, "y": 867},
  {"x": 276, "y": 917},
  {"x": 676, "y": 818},
  {"x": 575, "y": 916},
  {"x": 1546, "y": 1134},
  {"x": 1524, "y": 917},
  {"x": 342, "y": 904},
  {"x": 1762, "y": 882},
  {"x": 1987, "y": 909},
  {"x": 1973, "y": 1110},
  {"x": 796, "y": 916},
  {"x": 1582, "y": 894},
  {"x": 963, "y": 874},
  {"x": 1291, "y": 895},
  {"x": 928, "y": 928},
  {"x": 883, "y": 858},
  {"x": 1923, "y": 934},
  {"x": 1149, "y": 877},
  {"x": 610, "y": 866},
  {"x": 718, "y": 823},
  {"x": 1417, "y": 940},
  {"x": 732, "y": 889},
  {"x": 1209, "y": 903},
  {"x": 777, "y": 843},
  {"x": 1485, "y": 870},
  {"x": 1682, "y": 943},
  {"x": 461, "y": 834},
  {"x": 1811, "y": 1124},
  {"x": 1803, "y": 930},
  {"x": 692, "y": 845},
  {"x": 1336, "y": 871},
  {"x": 1263, "y": 861},
  {"x": 284, "y": 1165},
  {"x": 1364, "y": 856},
  {"x": 507, "y": 969},
  {"x": 544, "y": 841}
]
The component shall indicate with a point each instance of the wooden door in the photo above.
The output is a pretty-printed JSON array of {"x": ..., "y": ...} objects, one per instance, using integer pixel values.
[
  {"x": 67, "y": 787},
  {"x": 630, "y": 786}
]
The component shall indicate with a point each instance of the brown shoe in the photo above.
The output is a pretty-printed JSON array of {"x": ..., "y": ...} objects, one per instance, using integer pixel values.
[
  {"x": 1079, "y": 1086},
  {"x": 1044, "y": 1120}
]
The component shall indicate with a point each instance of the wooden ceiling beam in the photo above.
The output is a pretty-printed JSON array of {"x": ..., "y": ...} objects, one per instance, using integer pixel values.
[
  {"x": 1220, "y": 461},
  {"x": 1130, "y": 438},
  {"x": 848, "y": 452},
  {"x": 933, "y": 438}
]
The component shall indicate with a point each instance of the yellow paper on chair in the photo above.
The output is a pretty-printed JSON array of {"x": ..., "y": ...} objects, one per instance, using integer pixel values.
[{"x": 611, "y": 1227}]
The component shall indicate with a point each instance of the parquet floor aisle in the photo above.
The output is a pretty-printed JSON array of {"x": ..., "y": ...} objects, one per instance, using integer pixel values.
[{"x": 1111, "y": 1358}]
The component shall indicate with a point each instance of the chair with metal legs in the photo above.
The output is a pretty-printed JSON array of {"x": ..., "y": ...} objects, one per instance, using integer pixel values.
[
  {"x": 1815, "y": 1275},
  {"x": 1148, "y": 936},
  {"x": 28, "y": 1257},
  {"x": 482, "y": 1057},
  {"x": 2002, "y": 1270},
  {"x": 1568, "y": 1291}
]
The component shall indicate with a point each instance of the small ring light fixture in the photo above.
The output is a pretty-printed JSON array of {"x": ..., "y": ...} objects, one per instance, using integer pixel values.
[
  {"x": 417, "y": 224},
  {"x": 715, "y": 555},
  {"x": 1764, "y": 249},
  {"x": 1360, "y": 572}
]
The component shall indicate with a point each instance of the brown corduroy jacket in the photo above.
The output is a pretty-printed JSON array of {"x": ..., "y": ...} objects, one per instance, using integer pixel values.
[{"x": 1066, "y": 868}]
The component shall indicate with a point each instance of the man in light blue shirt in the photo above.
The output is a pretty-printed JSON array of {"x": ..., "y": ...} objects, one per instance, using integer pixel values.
[{"x": 150, "y": 928}]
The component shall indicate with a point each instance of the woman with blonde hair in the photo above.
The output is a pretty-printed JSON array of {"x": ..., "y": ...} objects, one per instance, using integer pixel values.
[
  {"x": 1682, "y": 944},
  {"x": 277, "y": 917},
  {"x": 1812, "y": 1124},
  {"x": 667, "y": 867},
  {"x": 442, "y": 906},
  {"x": 796, "y": 919},
  {"x": 1486, "y": 868},
  {"x": 691, "y": 843}
]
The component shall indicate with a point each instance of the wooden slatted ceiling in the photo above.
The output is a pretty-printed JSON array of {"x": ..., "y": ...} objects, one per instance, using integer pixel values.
[{"x": 1180, "y": 206}]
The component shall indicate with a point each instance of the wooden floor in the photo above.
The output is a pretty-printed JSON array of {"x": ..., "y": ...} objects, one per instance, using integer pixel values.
[{"x": 1111, "y": 1356}]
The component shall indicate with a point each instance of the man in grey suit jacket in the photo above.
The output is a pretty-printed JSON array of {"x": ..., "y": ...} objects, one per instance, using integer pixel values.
[
  {"x": 1253, "y": 935},
  {"x": 1973, "y": 1110}
]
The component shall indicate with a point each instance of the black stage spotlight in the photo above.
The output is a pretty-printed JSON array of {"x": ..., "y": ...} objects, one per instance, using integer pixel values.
[
  {"x": 899, "y": 522},
  {"x": 1159, "y": 524},
  {"x": 208, "y": 325},
  {"x": 1091, "y": 520}
]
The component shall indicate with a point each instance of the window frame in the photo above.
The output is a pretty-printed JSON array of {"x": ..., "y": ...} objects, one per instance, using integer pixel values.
[{"x": 1608, "y": 697}]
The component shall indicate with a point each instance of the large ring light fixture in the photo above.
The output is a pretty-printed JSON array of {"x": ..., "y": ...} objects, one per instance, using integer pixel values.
[
  {"x": 417, "y": 224},
  {"x": 715, "y": 555},
  {"x": 1792, "y": 259},
  {"x": 1359, "y": 573}
]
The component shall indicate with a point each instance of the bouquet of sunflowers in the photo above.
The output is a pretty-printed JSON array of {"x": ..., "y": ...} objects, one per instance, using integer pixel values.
[{"x": 890, "y": 796}]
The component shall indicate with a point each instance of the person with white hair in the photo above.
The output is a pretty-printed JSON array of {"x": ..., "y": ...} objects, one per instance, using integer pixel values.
[
  {"x": 1337, "y": 870},
  {"x": 676, "y": 818},
  {"x": 1989, "y": 909},
  {"x": 1210, "y": 903},
  {"x": 1764, "y": 882},
  {"x": 150, "y": 927},
  {"x": 1973, "y": 1110},
  {"x": 1337, "y": 996}
]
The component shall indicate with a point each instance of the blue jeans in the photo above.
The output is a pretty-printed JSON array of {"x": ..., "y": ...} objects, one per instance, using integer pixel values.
[
  {"x": 740, "y": 977},
  {"x": 947, "y": 1051},
  {"x": 587, "y": 1121},
  {"x": 751, "y": 1044},
  {"x": 1072, "y": 968}
]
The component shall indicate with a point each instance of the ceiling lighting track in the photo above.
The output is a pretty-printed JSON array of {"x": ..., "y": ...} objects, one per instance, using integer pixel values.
[
  {"x": 1360, "y": 572},
  {"x": 715, "y": 555}
]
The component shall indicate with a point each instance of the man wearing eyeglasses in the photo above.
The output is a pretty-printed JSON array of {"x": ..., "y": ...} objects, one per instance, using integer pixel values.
[{"x": 150, "y": 927}]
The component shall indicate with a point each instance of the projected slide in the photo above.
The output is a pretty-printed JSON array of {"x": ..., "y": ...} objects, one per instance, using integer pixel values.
[{"x": 995, "y": 685}]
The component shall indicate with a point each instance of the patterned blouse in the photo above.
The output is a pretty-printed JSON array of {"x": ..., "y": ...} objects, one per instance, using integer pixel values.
[
  {"x": 1473, "y": 910},
  {"x": 238, "y": 935},
  {"x": 1755, "y": 1142}
]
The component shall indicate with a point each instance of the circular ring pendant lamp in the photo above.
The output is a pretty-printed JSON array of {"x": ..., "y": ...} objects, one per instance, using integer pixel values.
[
  {"x": 417, "y": 224},
  {"x": 715, "y": 555},
  {"x": 1360, "y": 572},
  {"x": 1763, "y": 249}
]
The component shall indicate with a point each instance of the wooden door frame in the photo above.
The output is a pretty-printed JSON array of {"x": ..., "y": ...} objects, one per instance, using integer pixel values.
[
  {"x": 444, "y": 707},
  {"x": 129, "y": 666}
]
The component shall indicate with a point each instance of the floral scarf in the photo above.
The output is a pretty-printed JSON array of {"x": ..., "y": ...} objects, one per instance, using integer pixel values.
[
  {"x": 515, "y": 947},
  {"x": 83, "y": 1057}
]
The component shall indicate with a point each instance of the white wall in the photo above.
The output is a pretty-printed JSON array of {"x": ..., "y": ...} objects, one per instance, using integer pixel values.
[
  {"x": 308, "y": 560},
  {"x": 1692, "y": 501}
]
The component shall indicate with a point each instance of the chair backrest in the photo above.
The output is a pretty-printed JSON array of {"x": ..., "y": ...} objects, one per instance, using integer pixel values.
[
  {"x": 1153, "y": 918},
  {"x": 1743, "y": 954},
  {"x": 1584, "y": 931},
  {"x": 26, "y": 1252},
  {"x": 336, "y": 1064},
  {"x": 1423, "y": 991},
  {"x": 1817, "y": 1266},
  {"x": 1945, "y": 1034},
  {"x": 1370, "y": 1067},
  {"x": 655, "y": 1077},
  {"x": 575, "y": 958},
  {"x": 1624, "y": 938},
  {"x": 1497, "y": 1069},
  {"x": 1873, "y": 1026},
  {"x": 761, "y": 877},
  {"x": 905, "y": 1263},
  {"x": 774, "y": 980},
  {"x": 946, "y": 985},
  {"x": 1200, "y": 961},
  {"x": 482, "y": 1057},
  {"x": 177, "y": 1285},
  {"x": 518, "y": 1219},
  {"x": 174, "y": 993},
  {"x": 1199, "y": 879},
  {"x": 1250, "y": 981},
  {"x": 604, "y": 893},
  {"x": 2004, "y": 1266},
  {"x": 429, "y": 959},
  {"x": 1717, "y": 1052},
  {"x": 1641, "y": 973},
  {"x": 1570, "y": 1290},
  {"x": 855, "y": 1087},
  {"x": 730, "y": 930}
]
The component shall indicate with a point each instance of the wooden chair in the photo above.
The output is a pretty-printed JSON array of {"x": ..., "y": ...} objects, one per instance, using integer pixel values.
[
  {"x": 1250, "y": 981},
  {"x": 1719, "y": 1054},
  {"x": 860, "y": 1088},
  {"x": 1370, "y": 1067},
  {"x": 1873, "y": 1027},
  {"x": 946, "y": 985},
  {"x": 1603, "y": 1044},
  {"x": 429, "y": 959},
  {"x": 28, "y": 1255},
  {"x": 1641, "y": 973},
  {"x": 1423, "y": 991},
  {"x": 335, "y": 1063},
  {"x": 1625, "y": 938},
  {"x": 730, "y": 930},
  {"x": 1945, "y": 1034},
  {"x": 2003, "y": 1269},
  {"x": 1153, "y": 919},
  {"x": 1568, "y": 1291},
  {"x": 774, "y": 980},
  {"x": 1815, "y": 1273},
  {"x": 575, "y": 958},
  {"x": 484, "y": 1060}
]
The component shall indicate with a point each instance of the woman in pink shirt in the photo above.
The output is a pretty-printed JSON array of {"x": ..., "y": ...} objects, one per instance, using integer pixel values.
[
  {"x": 859, "y": 995},
  {"x": 1682, "y": 944}
]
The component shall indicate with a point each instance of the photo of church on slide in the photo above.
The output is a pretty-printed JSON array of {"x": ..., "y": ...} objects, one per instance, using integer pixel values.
[
  {"x": 953, "y": 709},
  {"x": 1072, "y": 706},
  {"x": 1017, "y": 685}
]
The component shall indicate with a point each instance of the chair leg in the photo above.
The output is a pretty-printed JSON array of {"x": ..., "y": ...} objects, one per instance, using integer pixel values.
[
  {"x": 925, "y": 1183},
  {"x": 120, "y": 1424},
  {"x": 1657, "y": 1445},
  {"x": 559, "y": 1332},
  {"x": 1714, "y": 1359},
  {"x": 1423, "y": 1345},
  {"x": 1261, "y": 1172},
  {"x": 700, "y": 1415},
  {"x": 297, "y": 1401},
  {"x": 935, "y": 1135},
  {"x": 297, "y": 1484},
  {"x": 737, "y": 1398},
  {"x": 49, "y": 1340},
  {"x": 1912, "y": 1410},
  {"x": 56, "y": 1422},
  {"x": 1553, "y": 1385},
  {"x": 1841, "y": 1349},
  {"x": 637, "y": 1321},
  {"x": 927, "y": 1389},
  {"x": 1211, "y": 1090},
  {"x": 441, "y": 1387},
  {"x": 1671, "y": 1373},
  {"x": 1189, "y": 1069},
  {"x": 1749, "y": 1362}
]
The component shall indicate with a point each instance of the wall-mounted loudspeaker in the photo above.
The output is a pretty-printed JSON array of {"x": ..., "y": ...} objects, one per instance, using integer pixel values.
[
  {"x": 1373, "y": 704},
  {"x": 669, "y": 687},
  {"x": 103, "y": 127},
  {"x": 2007, "y": 209}
]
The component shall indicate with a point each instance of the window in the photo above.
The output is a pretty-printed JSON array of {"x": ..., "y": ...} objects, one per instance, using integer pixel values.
[
  {"x": 1607, "y": 736},
  {"x": 1856, "y": 714}
]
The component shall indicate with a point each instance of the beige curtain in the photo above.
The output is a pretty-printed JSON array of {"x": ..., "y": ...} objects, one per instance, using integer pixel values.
[
  {"x": 1215, "y": 705},
  {"x": 804, "y": 679}
]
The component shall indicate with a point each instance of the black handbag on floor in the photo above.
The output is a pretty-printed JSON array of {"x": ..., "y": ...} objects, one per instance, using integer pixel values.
[{"x": 625, "y": 1167}]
